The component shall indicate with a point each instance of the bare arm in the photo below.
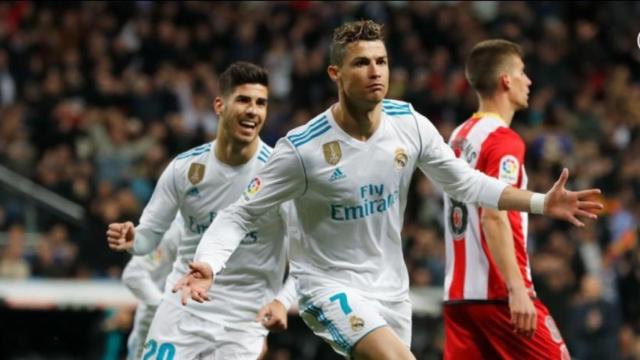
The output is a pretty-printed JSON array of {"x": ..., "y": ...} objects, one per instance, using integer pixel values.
[{"x": 499, "y": 237}]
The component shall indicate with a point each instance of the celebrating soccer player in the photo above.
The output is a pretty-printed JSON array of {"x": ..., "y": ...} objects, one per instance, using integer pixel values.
[
  {"x": 200, "y": 183},
  {"x": 348, "y": 171}
]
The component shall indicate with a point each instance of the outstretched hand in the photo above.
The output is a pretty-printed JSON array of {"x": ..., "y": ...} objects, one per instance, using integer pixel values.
[
  {"x": 273, "y": 316},
  {"x": 196, "y": 283},
  {"x": 120, "y": 236},
  {"x": 561, "y": 203}
]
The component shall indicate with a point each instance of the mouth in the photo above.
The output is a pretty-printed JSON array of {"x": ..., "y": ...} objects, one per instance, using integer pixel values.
[
  {"x": 375, "y": 87},
  {"x": 248, "y": 124}
]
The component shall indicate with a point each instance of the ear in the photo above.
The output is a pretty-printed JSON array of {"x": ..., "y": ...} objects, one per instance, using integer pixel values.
[
  {"x": 218, "y": 105},
  {"x": 334, "y": 72},
  {"x": 505, "y": 81}
]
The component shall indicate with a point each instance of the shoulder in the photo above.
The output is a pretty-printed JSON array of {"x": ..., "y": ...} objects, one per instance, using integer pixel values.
[
  {"x": 312, "y": 130},
  {"x": 193, "y": 160},
  {"x": 195, "y": 153},
  {"x": 264, "y": 152},
  {"x": 397, "y": 108},
  {"x": 504, "y": 136}
]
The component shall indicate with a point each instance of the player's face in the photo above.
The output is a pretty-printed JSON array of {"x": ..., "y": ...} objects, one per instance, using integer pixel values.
[
  {"x": 520, "y": 83},
  {"x": 242, "y": 113},
  {"x": 364, "y": 73}
]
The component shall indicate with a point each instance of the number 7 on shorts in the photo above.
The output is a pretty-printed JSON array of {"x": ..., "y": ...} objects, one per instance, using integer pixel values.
[{"x": 342, "y": 299}]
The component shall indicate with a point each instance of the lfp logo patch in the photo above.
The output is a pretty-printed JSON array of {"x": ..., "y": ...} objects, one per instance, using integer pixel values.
[
  {"x": 509, "y": 166},
  {"x": 254, "y": 186}
]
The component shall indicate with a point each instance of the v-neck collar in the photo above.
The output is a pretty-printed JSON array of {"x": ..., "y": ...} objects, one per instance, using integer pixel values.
[{"x": 350, "y": 139}]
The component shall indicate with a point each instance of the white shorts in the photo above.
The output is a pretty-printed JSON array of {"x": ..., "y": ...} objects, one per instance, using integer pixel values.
[
  {"x": 342, "y": 317},
  {"x": 141, "y": 323},
  {"x": 177, "y": 334}
]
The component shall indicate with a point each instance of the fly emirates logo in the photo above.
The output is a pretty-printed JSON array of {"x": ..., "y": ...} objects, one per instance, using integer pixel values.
[{"x": 374, "y": 199}]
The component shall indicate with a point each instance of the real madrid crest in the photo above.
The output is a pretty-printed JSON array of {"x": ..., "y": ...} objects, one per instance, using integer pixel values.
[
  {"x": 400, "y": 158},
  {"x": 196, "y": 173},
  {"x": 332, "y": 152},
  {"x": 356, "y": 323}
]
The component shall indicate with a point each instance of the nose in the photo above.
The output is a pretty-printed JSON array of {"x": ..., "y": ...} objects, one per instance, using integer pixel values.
[
  {"x": 374, "y": 71},
  {"x": 251, "y": 110}
]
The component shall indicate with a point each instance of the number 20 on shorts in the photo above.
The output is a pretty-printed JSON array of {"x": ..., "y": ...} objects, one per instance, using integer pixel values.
[{"x": 166, "y": 351}]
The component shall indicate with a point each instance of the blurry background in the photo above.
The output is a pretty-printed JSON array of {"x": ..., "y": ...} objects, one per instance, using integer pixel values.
[{"x": 97, "y": 97}]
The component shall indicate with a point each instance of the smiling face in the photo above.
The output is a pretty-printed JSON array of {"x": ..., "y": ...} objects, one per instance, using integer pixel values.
[
  {"x": 242, "y": 112},
  {"x": 363, "y": 75}
]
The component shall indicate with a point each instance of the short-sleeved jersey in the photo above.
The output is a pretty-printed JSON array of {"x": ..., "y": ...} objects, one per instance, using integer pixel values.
[
  {"x": 200, "y": 186},
  {"x": 349, "y": 198},
  {"x": 488, "y": 145}
]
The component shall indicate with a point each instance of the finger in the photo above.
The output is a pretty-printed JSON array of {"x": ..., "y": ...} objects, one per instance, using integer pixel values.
[
  {"x": 128, "y": 226},
  {"x": 590, "y": 205},
  {"x": 114, "y": 234},
  {"x": 532, "y": 324},
  {"x": 586, "y": 214},
  {"x": 203, "y": 294},
  {"x": 583, "y": 194},
  {"x": 562, "y": 180},
  {"x": 572, "y": 219},
  {"x": 115, "y": 226},
  {"x": 262, "y": 314},
  {"x": 185, "y": 295},
  {"x": 179, "y": 284}
]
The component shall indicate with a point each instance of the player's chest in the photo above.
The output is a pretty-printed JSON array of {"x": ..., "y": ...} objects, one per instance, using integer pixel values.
[
  {"x": 211, "y": 191},
  {"x": 340, "y": 170}
]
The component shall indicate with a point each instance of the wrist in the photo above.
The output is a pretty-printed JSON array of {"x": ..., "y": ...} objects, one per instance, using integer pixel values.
[{"x": 536, "y": 203}]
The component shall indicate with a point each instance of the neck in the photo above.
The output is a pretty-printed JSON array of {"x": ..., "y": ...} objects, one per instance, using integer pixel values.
[
  {"x": 360, "y": 121},
  {"x": 498, "y": 105},
  {"x": 234, "y": 153}
]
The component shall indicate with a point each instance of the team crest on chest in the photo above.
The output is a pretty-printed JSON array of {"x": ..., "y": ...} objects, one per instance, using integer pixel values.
[
  {"x": 196, "y": 173},
  {"x": 332, "y": 152},
  {"x": 400, "y": 158}
]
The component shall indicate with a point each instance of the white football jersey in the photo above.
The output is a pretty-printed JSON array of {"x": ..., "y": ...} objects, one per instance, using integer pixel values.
[
  {"x": 349, "y": 199},
  {"x": 200, "y": 186}
]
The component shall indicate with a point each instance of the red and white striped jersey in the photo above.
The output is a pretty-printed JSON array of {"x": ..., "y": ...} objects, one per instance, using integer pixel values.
[{"x": 489, "y": 145}]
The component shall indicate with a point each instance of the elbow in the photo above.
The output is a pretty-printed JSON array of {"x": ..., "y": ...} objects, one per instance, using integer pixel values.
[
  {"x": 129, "y": 278},
  {"x": 492, "y": 218}
]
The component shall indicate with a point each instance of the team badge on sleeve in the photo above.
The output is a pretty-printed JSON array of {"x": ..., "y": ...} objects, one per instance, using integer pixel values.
[
  {"x": 254, "y": 186},
  {"x": 196, "y": 173},
  {"x": 332, "y": 152},
  {"x": 509, "y": 167}
]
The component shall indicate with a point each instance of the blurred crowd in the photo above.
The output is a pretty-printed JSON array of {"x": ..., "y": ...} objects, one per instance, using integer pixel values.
[{"x": 97, "y": 97}]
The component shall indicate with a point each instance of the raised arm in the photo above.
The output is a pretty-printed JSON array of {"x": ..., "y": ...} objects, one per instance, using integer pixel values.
[
  {"x": 468, "y": 185},
  {"x": 155, "y": 220}
]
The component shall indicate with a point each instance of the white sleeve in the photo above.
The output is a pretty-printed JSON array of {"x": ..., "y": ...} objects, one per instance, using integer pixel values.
[
  {"x": 287, "y": 295},
  {"x": 283, "y": 178},
  {"x": 137, "y": 275},
  {"x": 438, "y": 162},
  {"x": 158, "y": 214}
]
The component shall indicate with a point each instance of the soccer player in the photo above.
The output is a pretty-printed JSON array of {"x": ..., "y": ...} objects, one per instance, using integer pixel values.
[
  {"x": 348, "y": 171},
  {"x": 145, "y": 277},
  {"x": 491, "y": 310},
  {"x": 200, "y": 183}
]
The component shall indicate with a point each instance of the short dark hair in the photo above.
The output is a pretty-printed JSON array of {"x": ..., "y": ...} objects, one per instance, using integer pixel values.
[
  {"x": 486, "y": 61},
  {"x": 347, "y": 33},
  {"x": 240, "y": 73}
]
